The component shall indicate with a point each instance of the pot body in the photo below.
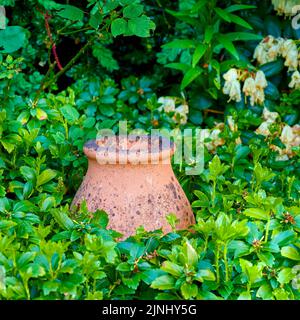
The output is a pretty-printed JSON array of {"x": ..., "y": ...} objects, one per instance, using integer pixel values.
[{"x": 135, "y": 195}]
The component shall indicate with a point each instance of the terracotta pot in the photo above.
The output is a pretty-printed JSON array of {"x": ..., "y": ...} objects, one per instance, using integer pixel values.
[{"x": 134, "y": 191}]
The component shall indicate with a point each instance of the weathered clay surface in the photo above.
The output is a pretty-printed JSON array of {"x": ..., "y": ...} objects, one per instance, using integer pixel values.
[{"x": 134, "y": 194}]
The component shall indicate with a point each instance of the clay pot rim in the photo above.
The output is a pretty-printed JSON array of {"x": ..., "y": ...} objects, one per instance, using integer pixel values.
[{"x": 95, "y": 150}]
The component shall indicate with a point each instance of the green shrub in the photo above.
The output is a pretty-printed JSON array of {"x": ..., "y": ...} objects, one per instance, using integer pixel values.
[{"x": 69, "y": 70}]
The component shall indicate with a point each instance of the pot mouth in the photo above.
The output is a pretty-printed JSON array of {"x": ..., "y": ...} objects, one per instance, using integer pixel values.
[{"x": 133, "y": 149}]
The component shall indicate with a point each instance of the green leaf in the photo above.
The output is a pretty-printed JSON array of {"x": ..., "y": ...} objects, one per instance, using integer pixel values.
[
  {"x": 133, "y": 11},
  {"x": 23, "y": 117},
  {"x": 237, "y": 20},
  {"x": 198, "y": 54},
  {"x": 203, "y": 200},
  {"x": 272, "y": 68},
  {"x": 241, "y": 152},
  {"x": 118, "y": 27},
  {"x": 9, "y": 147},
  {"x": 198, "y": 5},
  {"x": 70, "y": 113},
  {"x": 95, "y": 20},
  {"x": 105, "y": 57},
  {"x": 25, "y": 258},
  {"x": 180, "y": 44},
  {"x": 190, "y": 76},
  {"x": 272, "y": 92},
  {"x": 216, "y": 168},
  {"x": 223, "y": 14},
  {"x": 178, "y": 66},
  {"x": 205, "y": 275},
  {"x": 291, "y": 253},
  {"x": 165, "y": 282},
  {"x": 149, "y": 275},
  {"x": 190, "y": 254},
  {"x": 28, "y": 173},
  {"x": 209, "y": 32},
  {"x": 238, "y": 7},
  {"x": 100, "y": 218},
  {"x": 48, "y": 203},
  {"x": 262, "y": 173},
  {"x": 124, "y": 267},
  {"x": 62, "y": 219},
  {"x": 286, "y": 275},
  {"x": 71, "y": 13},
  {"x": 228, "y": 45},
  {"x": 188, "y": 290},
  {"x": 244, "y": 296},
  {"x": 41, "y": 114},
  {"x": 265, "y": 292},
  {"x": 12, "y": 38},
  {"x": 172, "y": 268},
  {"x": 256, "y": 213},
  {"x": 272, "y": 26},
  {"x": 267, "y": 258},
  {"x": 243, "y": 36},
  {"x": 46, "y": 176},
  {"x": 284, "y": 237},
  {"x": 253, "y": 272},
  {"x": 141, "y": 26},
  {"x": 50, "y": 286},
  {"x": 6, "y": 224}
]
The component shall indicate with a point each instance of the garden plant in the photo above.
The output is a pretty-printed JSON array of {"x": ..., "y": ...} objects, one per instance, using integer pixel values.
[{"x": 230, "y": 68}]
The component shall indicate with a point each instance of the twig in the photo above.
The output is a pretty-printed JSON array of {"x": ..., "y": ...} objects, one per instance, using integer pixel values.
[
  {"x": 53, "y": 45},
  {"x": 213, "y": 111},
  {"x": 42, "y": 86},
  {"x": 68, "y": 65}
]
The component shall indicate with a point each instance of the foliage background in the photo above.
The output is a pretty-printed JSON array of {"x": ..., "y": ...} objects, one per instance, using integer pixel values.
[{"x": 112, "y": 61}]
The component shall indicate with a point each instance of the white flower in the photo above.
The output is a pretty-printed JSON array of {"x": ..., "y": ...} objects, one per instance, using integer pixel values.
[
  {"x": 205, "y": 133},
  {"x": 259, "y": 96},
  {"x": 232, "y": 86},
  {"x": 289, "y": 51},
  {"x": 284, "y": 7},
  {"x": 268, "y": 49},
  {"x": 231, "y": 123},
  {"x": 287, "y": 135},
  {"x": 270, "y": 116},
  {"x": 263, "y": 129},
  {"x": 231, "y": 74},
  {"x": 261, "y": 54},
  {"x": 168, "y": 104},
  {"x": 290, "y": 137},
  {"x": 182, "y": 109},
  {"x": 233, "y": 89},
  {"x": 213, "y": 136},
  {"x": 296, "y": 129},
  {"x": 254, "y": 88},
  {"x": 180, "y": 118},
  {"x": 282, "y": 157},
  {"x": 260, "y": 80},
  {"x": 275, "y": 48},
  {"x": 234, "y": 128},
  {"x": 295, "y": 82},
  {"x": 249, "y": 87},
  {"x": 216, "y": 139},
  {"x": 181, "y": 114}
]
